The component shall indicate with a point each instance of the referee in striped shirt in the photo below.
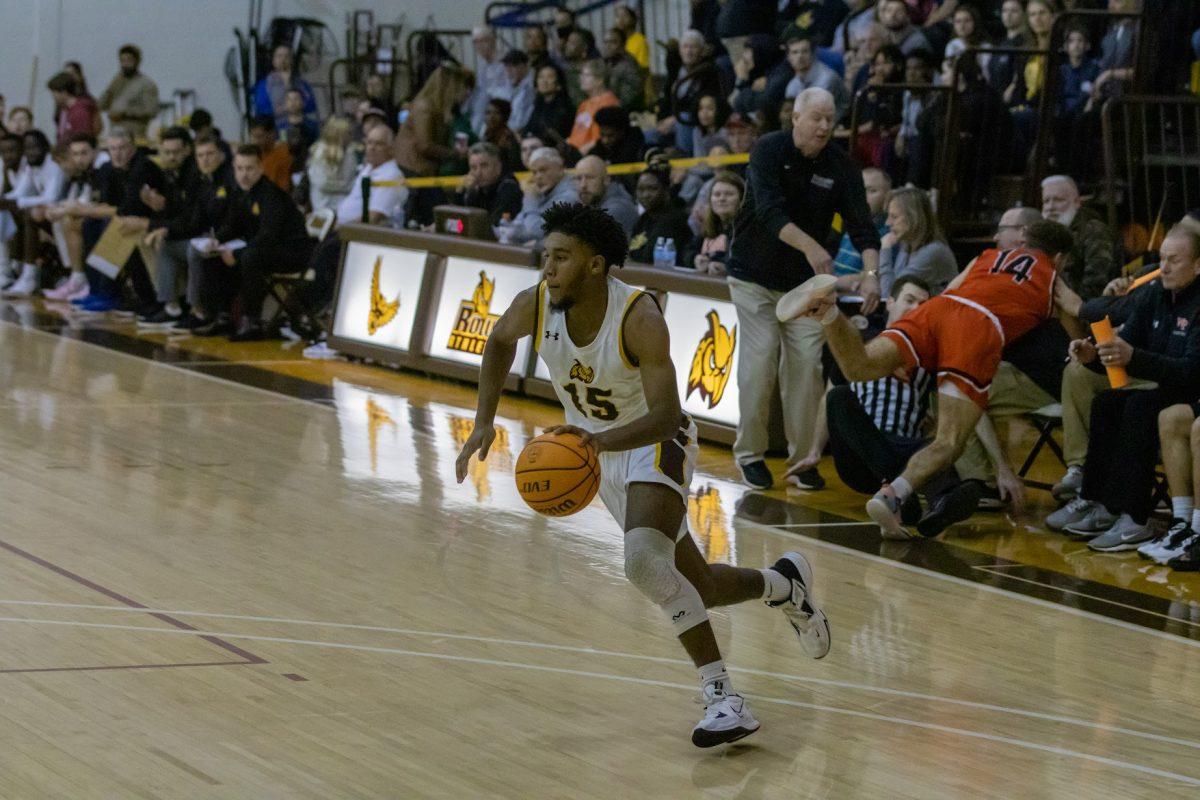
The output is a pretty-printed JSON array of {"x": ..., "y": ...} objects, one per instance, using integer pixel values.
[{"x": 875, "y": 426}]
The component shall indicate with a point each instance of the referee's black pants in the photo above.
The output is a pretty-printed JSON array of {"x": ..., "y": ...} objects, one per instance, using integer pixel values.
[
  {"x": 864, "y": 456},
  {"x": 1122, "y": 451}
]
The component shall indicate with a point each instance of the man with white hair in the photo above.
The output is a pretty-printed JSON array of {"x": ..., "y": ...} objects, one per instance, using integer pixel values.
[
  {"x": 548, "y": 185},
  {"x": 1092, "y": 262},
  {"x": 596, "y": 188},
  {"x": 491, "y": 77},
  {"x": 795, "y": 184}
]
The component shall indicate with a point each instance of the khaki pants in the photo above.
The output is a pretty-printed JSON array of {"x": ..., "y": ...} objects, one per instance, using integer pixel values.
[
  {"x": 1080, "y": 387},
  {"x": 1012, "y": 394},
  {"x": 770, "y": 349}
]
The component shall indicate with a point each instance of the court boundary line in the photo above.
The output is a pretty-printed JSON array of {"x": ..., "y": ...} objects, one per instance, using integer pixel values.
[
  {"x": 581, "y": 650},
  {"x": 869, "y": 715}
]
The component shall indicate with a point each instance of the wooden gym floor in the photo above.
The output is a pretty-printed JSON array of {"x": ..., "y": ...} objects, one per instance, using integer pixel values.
[{"x": 229, "y": 572}]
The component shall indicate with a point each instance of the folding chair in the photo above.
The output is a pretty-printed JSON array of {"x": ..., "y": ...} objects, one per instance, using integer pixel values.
[{"x": 1045, "y": 421}]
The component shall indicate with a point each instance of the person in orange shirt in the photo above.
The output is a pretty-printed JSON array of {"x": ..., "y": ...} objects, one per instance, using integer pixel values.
[
  {"x": 276, "y": 157},
  {"x": 593, "y": 80}
]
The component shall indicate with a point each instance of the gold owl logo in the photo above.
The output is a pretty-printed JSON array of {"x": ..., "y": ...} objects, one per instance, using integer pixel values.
[
  {"x": 475, "y": 322},
  {"x": 581, "y": 373},
  {"x": 382, "y": 310},
  {"x": 712, "y": 364},
  {"x": 499, "y": 456}
]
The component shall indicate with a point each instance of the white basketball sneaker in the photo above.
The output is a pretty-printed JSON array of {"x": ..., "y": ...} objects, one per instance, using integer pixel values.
[
  {"x": 726, "y": 719},
  {"x": 801, "y": 610}
]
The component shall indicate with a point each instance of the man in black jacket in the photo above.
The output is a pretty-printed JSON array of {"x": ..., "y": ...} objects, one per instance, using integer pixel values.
[
  {"x": 264, "y": 217},
  {"x": 487, "y": 186},
  {"x": 796, "y": 183},
  {"x": 207, "y": 193},
  {"x": 1159, "y": 342}
]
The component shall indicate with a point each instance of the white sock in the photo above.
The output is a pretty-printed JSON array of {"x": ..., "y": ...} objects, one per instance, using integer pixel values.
[
  {"x": 1196, "y": 520},
  {"x": 902, "y": 488},
  {"x": 1181, "y": 507},
  {"x": 776, "y": 586},
  {"x": 715, "y": 675}
]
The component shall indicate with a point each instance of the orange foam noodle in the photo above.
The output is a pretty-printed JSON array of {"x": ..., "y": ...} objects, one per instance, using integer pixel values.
[
  {"x": 1142, "y": 281},
  {"x": 1103, "y": 331}
]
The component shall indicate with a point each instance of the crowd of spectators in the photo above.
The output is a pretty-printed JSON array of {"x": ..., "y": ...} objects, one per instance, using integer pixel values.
[{"x": 840, "y": 107}]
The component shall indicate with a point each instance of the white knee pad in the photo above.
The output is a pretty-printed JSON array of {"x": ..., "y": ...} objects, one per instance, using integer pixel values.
[{"x": 650, "y": 566}]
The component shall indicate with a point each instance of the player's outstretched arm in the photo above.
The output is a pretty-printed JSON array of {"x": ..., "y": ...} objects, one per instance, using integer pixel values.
[
  {"x": 647, "y": 340},
  {"x": 498, "y": 355},
  {"x": 1066, "y": 307}
]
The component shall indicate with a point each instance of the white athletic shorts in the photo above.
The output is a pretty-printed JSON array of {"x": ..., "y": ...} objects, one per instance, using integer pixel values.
[{"x": 670, "y": 463}]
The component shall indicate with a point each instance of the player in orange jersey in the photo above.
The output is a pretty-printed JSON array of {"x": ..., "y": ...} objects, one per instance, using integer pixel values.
[{"x": 959, "y": 336}]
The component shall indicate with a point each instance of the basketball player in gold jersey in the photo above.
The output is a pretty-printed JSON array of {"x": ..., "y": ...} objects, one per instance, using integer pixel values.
[{"x": 606, "y": 346}]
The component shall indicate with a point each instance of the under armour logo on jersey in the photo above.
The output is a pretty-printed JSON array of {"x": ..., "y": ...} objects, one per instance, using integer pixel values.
[{"x": 552, "y": 335}]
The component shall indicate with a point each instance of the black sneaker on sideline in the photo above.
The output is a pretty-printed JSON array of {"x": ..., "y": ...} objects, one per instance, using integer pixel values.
[
  {"x": 221, "y": 326},
  {"x": 989, "y": 498},
  {"x": 161, "y": 318},
  {"x": 806, "y": 479},
  {"x": 756, "y": 475},
  {"x": 949, "y": 507},
  {"x": 910, "y": 510},
  {"x": 1189, "y": 560},
  {"x": 188, "y": 322}
]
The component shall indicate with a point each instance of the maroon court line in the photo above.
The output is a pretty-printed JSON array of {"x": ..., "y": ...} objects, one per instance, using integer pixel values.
[
  {"x": 114, "y": 667},
  {"x": 249, "y": 657}
]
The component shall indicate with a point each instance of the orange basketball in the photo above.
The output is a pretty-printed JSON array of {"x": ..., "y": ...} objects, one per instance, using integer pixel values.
[{"x": 557, "y": 475}]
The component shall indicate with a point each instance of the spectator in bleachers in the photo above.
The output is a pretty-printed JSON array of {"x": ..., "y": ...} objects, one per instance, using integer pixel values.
[
  {"x": 620, "y": 142},
  {"x": 209, "y": 196},
  {"x": 1092, "y": 263},
  {"x": 537, "y": 47},
  {"x": 276, "y": 157},
  {"x": 880, "y": 110},
  {"x": 553, "y": 114},
  {"x": 81, "y": 158},
  {"x": 491, "y": 78},
  {"x": 914, "y": 244},
  {"x": 918, "y": 70},
  {"x": 529, "y": 145},
  {"x": 1159, "y": 342},
  {"x": 635, "y": 41},
  {"x": 332, "y": 165},
  {"x": 131, "y": 99},
  {"x": 711, "y": 115},
  {"x": 1077, "y": 76},
  {"x": 564, "y": 25},
  {"x": 596, "y": 188},
  {"x": 39, "y": 183},
  {"x": 575, "y": 58},
  {"x": 1029, "y": 72},
  {"x": 787, "y": 81},
  {"x": 1001, "y": 66},
  {"x": 859, "y": 61},
  {"x": 708, "y": 252},
  {"x": 522, "y": 91},
  {"x": 968, "y": 33},
  {"x": 848, "y": 261},
  {"x": 625, "y": 76},
  {"x": 897, "y": 19},
  {"x": 74, "y": 112},
  {"x": 796, "y": 184},
  {"x": 488, "y": 185},
  {"x": 697, "y": 77},
  {"x": 200, "y": 122},
  {"x": 20, "y": 121},
  {"x": 270, "y": 92},
  {"x": 496, "y": 131},
  {"x": 548, "y": 184},
  {"x": 75, "y": 69},
  {"x": 426, "y": 138},
  {"x": 586, "y": 132},
  {"x": 661, "y": 217},
  {"x": 378, "y": 95},
  {"x": 298, "y": 132},
  {"x": 265, "y": 218}
]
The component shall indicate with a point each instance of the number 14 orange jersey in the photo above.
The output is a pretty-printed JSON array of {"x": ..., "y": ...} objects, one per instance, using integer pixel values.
[{"x": 1013, "y": 288}]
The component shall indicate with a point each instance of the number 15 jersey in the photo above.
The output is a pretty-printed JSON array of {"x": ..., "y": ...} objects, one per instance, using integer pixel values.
[
  {"x": 598, "y": 384},
  {"x": 1013, "y": 288}
]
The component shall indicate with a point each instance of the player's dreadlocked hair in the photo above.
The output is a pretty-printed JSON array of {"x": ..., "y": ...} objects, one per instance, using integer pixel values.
[{"x": 593, "y": 226}]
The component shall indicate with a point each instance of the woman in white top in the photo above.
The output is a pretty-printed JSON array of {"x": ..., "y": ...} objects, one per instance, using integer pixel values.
[
  {"x": 332, "y": 165},
  {"x": 914, "y": 244}
]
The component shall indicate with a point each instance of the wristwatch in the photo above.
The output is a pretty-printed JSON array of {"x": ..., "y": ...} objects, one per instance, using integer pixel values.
[{"x": 871, "y": 273}]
